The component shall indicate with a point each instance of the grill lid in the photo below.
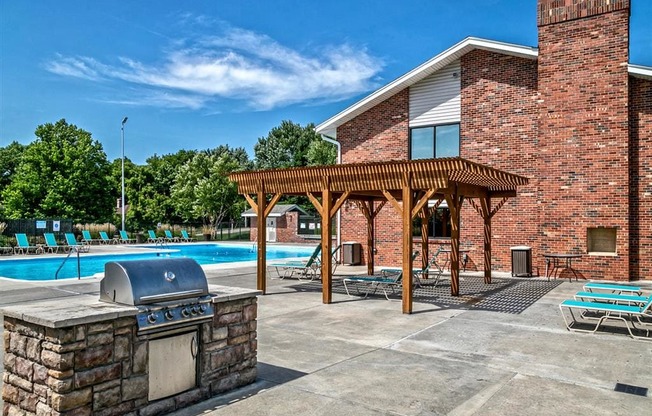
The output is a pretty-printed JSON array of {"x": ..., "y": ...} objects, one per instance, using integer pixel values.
[{"x": 141, "y": 282}]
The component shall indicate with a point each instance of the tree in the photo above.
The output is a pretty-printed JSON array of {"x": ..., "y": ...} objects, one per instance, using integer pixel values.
[
  {"x": 287, "y": 146},
  {"x": 202, "y": 189},
  {"x": 148, "y": 189},
  {"x": 62, "y": 174},
  {"x": 9, "y": 160},
  {"x": 321, "y": 152}
]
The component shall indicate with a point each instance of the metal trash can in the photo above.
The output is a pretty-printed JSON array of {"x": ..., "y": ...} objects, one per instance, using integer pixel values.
[
  {"x": 521, "y": 261},
  {"x": 351, "y": 253}
]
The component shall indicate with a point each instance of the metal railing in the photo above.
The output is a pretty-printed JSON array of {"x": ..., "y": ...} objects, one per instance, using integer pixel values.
[{"x": 73, "y": 250}]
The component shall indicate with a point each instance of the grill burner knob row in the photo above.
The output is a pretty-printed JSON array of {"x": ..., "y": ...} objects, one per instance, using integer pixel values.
[{"x": 151, "y": 318}]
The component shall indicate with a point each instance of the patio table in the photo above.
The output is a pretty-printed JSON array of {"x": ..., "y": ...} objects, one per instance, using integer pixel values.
[
  {"x": 555, "y": 260},
  {"x": 464, "y": 254}
]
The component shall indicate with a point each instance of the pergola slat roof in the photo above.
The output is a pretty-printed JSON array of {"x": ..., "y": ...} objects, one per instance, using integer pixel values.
[
  {"x": 371, "y": 178},
  {"x": 407, "y": 185}
]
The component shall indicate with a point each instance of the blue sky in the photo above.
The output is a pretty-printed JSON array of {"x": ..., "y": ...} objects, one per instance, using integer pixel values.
[{"x": 197, "y": 74}]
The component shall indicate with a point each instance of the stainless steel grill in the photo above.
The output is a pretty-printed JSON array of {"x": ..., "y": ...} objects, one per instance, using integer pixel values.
[{"x": 167, "y": 292}]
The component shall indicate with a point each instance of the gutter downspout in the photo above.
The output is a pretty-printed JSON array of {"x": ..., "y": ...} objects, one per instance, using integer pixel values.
[{"x": 339, "y": 211}]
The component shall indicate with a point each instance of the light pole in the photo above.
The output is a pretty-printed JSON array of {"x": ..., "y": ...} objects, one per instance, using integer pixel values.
[{"x": 122, "y": 201}]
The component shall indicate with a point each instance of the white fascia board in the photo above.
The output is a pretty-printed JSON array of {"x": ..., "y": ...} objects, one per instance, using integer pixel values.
[
  {"x": 640, "y": 71},
  {"x": 329, "y": 127}
]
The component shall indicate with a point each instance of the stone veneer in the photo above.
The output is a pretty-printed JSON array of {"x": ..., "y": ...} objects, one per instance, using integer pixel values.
[{"x": 101, "y": 367}]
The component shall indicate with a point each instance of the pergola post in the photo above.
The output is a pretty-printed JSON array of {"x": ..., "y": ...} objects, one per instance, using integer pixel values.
[
  {"x": 367, "y": 209},
  {"x": 261, "y": 271},
  {"x": 485, "y": 203},
  {"x": 408, "y": 200},
  {"x": 454, "y": 202},
  {"x": 425, "y": 219},
  {"x": 326, "y": 242}
]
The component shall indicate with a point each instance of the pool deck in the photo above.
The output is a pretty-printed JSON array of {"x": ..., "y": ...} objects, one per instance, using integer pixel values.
[{"x": 499, "y": 349}]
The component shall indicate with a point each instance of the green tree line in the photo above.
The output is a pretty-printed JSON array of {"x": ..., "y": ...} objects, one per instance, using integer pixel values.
[{"x": 64, "y": 173}]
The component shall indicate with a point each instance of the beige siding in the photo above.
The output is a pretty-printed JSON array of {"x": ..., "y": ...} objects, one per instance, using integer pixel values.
[{"x": 436, "y": 99}]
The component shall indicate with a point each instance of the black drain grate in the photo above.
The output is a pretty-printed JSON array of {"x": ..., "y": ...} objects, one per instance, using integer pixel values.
[{"x": 629, "y": 389}]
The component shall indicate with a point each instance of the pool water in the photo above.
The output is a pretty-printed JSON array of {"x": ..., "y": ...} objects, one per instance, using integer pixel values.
[{"x": 45, "y": 267}]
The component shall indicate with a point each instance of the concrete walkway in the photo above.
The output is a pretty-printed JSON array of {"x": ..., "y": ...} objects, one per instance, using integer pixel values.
[{"x": 500, "y": 349}]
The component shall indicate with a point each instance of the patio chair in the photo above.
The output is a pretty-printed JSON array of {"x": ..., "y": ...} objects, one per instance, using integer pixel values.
[
  {"x": 612, "y": 298},
  {"x": 613, "y": 288},
  {"x": 124, "y": 238},
  {"x": 106, "y": 240},
  {"x": 373, "y": 283},
  {"x": 303, "y": 269},
  {"x": 153, "y": 238},
  {"x": 171, "y": 238},
  {"x": 87, "y": 239},
  {"x": 23, "y": 246},
  {"x": 432, "y": 268},
  {"x": 51, "y": 243},
  {"x": 628, "y": 314},
  {"x": 71, "y": 240},
  {"x": 185, "y": 237}
]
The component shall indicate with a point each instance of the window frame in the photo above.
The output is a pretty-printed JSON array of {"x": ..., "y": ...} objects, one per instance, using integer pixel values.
[{"x": 434, "y": 138}]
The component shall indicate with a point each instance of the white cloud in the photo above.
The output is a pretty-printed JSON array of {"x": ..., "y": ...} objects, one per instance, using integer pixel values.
[{"x": 240, "y": 65}]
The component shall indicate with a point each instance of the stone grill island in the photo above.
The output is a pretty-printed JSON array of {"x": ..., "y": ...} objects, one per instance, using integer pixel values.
[{"x": 80, "y": 356}]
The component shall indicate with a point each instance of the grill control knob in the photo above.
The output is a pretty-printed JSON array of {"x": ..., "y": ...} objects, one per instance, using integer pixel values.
[
  {"x": 151, "y": 318},
  {"x": 185, "y": 312},
  {"x": 202, "y": 309},
  {"x": 194, "y": 310},
  {"x": 169, "y": 315}
]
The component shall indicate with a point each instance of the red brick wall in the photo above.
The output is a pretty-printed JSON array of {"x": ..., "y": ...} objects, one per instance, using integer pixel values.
[
  {"x": 583, "y": 132},
  {"x": 640, "y": 202},
  {"x": 379, "y": 134},
  {"x": 499, "y": 128}
]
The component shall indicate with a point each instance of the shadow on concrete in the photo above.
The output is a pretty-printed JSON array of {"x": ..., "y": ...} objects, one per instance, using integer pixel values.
[
  {"x": 276, "y": 374},
  {"x": 511, "y": 295}
]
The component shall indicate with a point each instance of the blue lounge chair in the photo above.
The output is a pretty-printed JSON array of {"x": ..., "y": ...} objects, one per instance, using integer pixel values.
[
  {"x": 612, "y": 298},
  {"x": 170, "y": 238},
  {"x": 23, "y": 246},
  {"x": 124, "y": 238},
  {"x": 185, "y": 237},
  {"x": 51, "y": 243},
  {"x": 628, "y": 314},
  {"x": 303, "y": 269},
  {"x": 87, "y": 239},
  {"x": 153, "y": 238},
  {"x": 373, "y": 283},
  {"x": 432, "y": 269},
  {"x": 106, "y": 240},
  {"x": 613, "y": 288},
  {"x": 71, "y": 240}
]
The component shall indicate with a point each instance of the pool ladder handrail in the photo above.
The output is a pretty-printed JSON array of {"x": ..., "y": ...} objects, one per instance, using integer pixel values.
[
  {"x": 161, "y": 242},
  {"x": 72, "y": 250}
]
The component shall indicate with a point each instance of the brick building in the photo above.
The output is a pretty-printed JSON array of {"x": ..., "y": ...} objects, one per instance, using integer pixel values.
[
  {"x": 573, "y": 115},
  {"x": 283, "y": 224}
]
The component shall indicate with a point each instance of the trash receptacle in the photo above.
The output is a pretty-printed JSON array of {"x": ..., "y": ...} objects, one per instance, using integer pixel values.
[
  {"x": 521, "y": 261},
  {"x": 351, "y": 253}
]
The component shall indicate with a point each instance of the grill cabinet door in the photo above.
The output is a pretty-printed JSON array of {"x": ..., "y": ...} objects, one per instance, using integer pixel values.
[{"x": 172, "y": 365}]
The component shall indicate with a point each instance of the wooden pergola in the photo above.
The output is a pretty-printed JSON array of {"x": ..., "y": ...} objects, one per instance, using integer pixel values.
[{"x": 406, "y": 185}]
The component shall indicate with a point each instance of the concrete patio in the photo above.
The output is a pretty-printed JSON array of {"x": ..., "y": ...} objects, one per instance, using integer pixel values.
[{"x": 500, "y": 349}]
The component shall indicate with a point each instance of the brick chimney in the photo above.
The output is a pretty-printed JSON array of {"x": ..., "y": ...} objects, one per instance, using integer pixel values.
[{"x": 583, "y": 125}]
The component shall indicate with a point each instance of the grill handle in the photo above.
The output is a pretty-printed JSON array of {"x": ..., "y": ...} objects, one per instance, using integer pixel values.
[{"x": 171, "y": 296}]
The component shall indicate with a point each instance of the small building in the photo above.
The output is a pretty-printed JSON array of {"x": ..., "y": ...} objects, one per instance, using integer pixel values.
[{"x": 283, "y": 224}]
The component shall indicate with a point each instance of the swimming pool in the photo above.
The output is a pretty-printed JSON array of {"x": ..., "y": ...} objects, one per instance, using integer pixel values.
[{"x": 45, "y": 267}]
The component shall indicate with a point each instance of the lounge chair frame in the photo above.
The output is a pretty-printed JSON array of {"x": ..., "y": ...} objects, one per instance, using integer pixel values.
[
  {"x": 612, "y": 288},
  {"x": 373, "y": 283},
  {"x": 629, "y": 315}
]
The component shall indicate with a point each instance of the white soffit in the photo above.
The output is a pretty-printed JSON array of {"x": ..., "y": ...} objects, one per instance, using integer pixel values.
[
  {"x": 329, "y": 127},
  {"x": 640, "y": 71}
]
